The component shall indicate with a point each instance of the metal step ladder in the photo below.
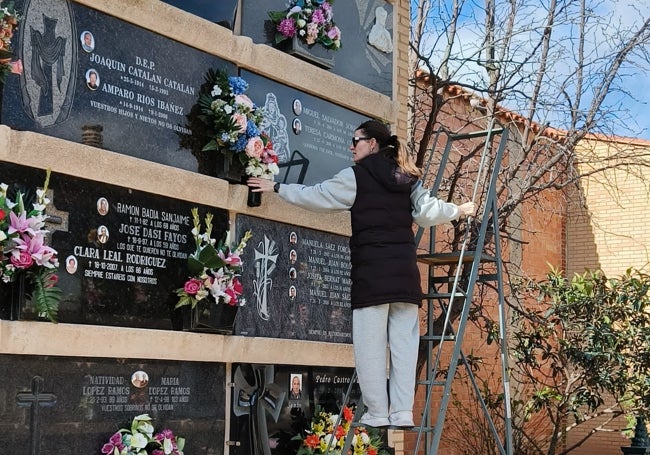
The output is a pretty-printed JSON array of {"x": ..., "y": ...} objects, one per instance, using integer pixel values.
[
  {"x": 468, "y": 271},
  {"x": 479, "y": 248}
]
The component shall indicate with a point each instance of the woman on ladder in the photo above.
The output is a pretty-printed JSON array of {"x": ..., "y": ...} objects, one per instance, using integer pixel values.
[{"x": 384, "y": 195}]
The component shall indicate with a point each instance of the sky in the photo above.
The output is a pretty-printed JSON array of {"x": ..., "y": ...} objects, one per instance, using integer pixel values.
[{"x": 628, "y": 101}]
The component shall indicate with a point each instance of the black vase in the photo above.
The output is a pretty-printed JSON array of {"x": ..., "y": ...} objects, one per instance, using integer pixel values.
[
  {"x": 12, "y": 299},
  {"x": 229, "y": 168},
  {"x": 315, "y": 54},
  {"x": 209, "y": 318},
  {"x": 254, "y": 199}
]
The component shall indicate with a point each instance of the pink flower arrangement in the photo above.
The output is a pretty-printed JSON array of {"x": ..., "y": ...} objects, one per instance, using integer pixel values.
[
  {"x": 214, "y": 268},
  {"x": 23, "y": 249},
  {"x": 141, "y": 440},
  {"x": 310, "y": 21}
]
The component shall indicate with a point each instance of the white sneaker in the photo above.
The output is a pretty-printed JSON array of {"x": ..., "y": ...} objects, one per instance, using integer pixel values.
[
  {"x": 401, "y": 419},
  {"x": 375, "y": 422}
]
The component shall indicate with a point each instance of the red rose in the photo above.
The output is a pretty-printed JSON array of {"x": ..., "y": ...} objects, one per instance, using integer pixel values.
[
  {"x": 192, "y": 286},
  {"x": 23, "y": 260}
]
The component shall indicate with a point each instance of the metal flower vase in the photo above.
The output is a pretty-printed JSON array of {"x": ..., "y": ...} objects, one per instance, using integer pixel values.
[
  {"x": 209, "y": 318},
  {"x": 316, "y": 54}
]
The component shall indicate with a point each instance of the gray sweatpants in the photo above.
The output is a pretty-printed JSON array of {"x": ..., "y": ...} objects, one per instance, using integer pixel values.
[{"x": 373, "y": 328}]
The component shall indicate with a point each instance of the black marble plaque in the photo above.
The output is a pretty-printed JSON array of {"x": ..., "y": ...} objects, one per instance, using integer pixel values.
[
  {"x": 83, "y": 67},
  {"x": 297, "y": 283},
  {"x": 311, "y": 136},
  {"x": 292, "y": 408},
  {"x": 64, "y": 405},
  {"x": 122, "y": 252},
  {"x": 221, "y": 12},
  {"x": 358, "y": 59}
]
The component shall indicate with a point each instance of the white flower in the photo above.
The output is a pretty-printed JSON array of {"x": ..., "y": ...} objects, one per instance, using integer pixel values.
[
  {"x": 330, "y": 440},
  {"x": 216, "y": 91},
  {"x": 138, "y": 440},
  {"x": 295, "y": 9},
  {"x": 227, "y": 109}
]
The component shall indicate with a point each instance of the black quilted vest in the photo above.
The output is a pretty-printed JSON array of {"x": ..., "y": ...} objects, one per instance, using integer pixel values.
[{"x": 382, "y": 246}]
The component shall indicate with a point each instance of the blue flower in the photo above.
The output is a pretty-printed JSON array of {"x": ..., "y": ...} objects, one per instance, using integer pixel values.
[
  {"x": 251, "y": 129},
  {"x": 238, "y": 85},
  {"x": 240, "y": 145}
]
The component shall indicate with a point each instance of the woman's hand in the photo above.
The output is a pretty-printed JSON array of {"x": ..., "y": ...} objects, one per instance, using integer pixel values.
[
  {"x": 467, "y": 209},
  {"x": 259, "y": 185}
]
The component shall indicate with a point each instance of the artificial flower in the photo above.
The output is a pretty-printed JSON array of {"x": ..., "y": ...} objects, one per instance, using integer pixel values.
[
  {"x": 232, "y": 122},
  {"x": 8, "y": 24},
  {"x": 23, "y": 248},
  {"x": 214, "y": 267},
  {"x": 311, "y": 20},
  {"x": 141, "y": 439},
  {"x": 326, "y": 435}
]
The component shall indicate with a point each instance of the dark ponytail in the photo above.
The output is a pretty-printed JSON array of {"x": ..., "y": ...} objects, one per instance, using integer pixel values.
[{"x": 390, "y": 145}]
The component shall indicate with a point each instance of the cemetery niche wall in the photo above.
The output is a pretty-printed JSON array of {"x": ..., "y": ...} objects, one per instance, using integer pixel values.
[
  {"x": 297, "y": 283},
  {"x": 122, "y": 252},
  {"x": 222, "y": 12},
  {"x": 366, "y": 55},
  {"x": 77, "y": 76},
  {"x": 63, "y": 405},
  {"x": 310, "y": 135},
  {"x": 274, "y": 404}
]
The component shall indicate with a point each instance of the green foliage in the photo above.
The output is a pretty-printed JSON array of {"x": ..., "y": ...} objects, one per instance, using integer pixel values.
[
  {"x": 45, "y": 295},
  {"x": 584, "y": 339}
]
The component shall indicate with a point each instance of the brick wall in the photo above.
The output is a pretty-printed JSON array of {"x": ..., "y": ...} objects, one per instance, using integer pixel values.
[{"x": 607, "y": 232}]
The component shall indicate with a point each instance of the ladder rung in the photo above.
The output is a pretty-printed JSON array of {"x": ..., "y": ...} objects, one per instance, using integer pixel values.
[
  {"x": 428, "y": 382},
  {"x": 444, "y": 295},
  {"x": 451, "y": 279},
  {"x": 438, "y": 338},
  {"x": 475, "y": 134},
  {"x": 452, "y": 258},
  {"x": 487, "y": 277}
]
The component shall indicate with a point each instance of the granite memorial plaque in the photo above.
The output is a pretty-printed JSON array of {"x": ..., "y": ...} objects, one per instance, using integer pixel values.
[
  {"x": 311, "y": 136},
  {"x": 297, "y": 392},
  {"x": 122, "y": 252},
  {"x": 221, "y": 12},
  {"x": 65, "y": 405},
  {"x": 83, "y": 68},
  {"x": 366, "y": 55},
  {"x": 296, "y": 283}
]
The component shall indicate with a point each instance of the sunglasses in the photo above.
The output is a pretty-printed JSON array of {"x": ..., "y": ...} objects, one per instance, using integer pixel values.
[{"x": 356, "y": 139}]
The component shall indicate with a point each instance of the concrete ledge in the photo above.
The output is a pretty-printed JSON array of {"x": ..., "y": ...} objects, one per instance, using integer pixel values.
[{"x": 45, "y": 338}]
